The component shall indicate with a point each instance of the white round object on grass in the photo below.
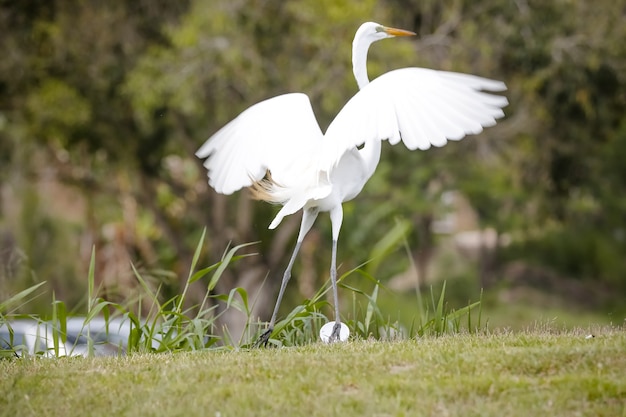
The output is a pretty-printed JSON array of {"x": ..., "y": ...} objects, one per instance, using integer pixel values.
[{"x": 327, "y": 330}]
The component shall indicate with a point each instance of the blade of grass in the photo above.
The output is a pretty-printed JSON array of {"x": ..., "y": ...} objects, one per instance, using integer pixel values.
[
  {"x": 192, "y": 267},
  {"x": 90, "y": 297},
  {"x": 440, "y": 317},
  {"x": 146, "y": 288},
  {"x": 371, "y": 305},
  {"x": 18, "y": 298},
  {"x": 413, "y": 268},
  {"x": 55, "y": 327},
  {"x": 221, "y": 267},
  {"x": 226, "y": 260}
]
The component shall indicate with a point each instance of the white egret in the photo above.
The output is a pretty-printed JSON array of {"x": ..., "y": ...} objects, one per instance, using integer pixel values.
[{"x": 277, "y": 148}]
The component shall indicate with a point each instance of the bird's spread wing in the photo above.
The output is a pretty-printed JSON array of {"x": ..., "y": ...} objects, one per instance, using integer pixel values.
[
  {"x": 419, "y": 106},
  {"x": 269, "y": 135}
]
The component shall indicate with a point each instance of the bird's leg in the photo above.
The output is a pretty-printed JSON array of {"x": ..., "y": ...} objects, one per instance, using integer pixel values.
[
  {"x": 286, "y": 276},
  {"x": 334, "y": 336},
  {"x": 308, "y": 218},
  {"x": 336, "y": 218}
]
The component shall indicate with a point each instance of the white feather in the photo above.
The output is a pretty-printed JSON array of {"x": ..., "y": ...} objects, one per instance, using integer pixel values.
[
  {"x": 430, "y": 107},
  {"x": 270, "y": 135}
]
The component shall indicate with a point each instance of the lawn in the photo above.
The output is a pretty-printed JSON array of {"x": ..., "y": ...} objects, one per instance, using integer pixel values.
[{"x": 541, "y": 372}]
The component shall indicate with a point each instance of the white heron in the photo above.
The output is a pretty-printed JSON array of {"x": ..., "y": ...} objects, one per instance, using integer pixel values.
[{"x": 277, "y": 148}]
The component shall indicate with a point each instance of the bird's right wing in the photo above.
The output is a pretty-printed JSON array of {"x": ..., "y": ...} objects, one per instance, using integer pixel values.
[
  {"x": 269, "y": 135},
  {"x": 418, "y": 106}
]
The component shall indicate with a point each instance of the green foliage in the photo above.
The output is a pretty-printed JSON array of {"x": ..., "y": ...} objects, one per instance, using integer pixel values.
[
  {"x": 169, "y": 327},
  {"x": 563, "y": 248}
]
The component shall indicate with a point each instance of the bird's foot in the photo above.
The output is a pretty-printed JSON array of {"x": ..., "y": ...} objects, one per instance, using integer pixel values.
[
  {"x": 264, "y": 338},
  {"x": 334, "y": 336},
  {"x": 334, "y": 332}
]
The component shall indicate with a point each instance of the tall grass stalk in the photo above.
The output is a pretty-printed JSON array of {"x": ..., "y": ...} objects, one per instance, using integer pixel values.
[
  {"x": 173, "y": 325},
  {"x": 15, "y": 302}
]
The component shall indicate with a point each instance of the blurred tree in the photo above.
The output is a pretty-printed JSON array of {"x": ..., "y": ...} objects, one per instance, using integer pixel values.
[
  {"x": 65, "y": 122},
  {"x": 569, "y": 62}
]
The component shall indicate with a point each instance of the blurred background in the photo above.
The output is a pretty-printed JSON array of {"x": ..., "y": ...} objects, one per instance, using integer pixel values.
[{"x": 103, "y": 104}]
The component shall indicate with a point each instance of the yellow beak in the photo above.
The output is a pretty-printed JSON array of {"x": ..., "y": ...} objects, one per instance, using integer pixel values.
[{"x": 398, "y": 32}]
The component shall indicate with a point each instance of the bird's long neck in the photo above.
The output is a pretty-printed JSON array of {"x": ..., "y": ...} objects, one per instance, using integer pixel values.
[
  {"x": 359, "y": 61},
  {"x": 371, "y": 150}
]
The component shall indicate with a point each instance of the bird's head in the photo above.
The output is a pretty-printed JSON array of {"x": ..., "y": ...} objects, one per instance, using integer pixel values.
[
  {"x": 373, "y": 32},
  {"x": 367, "y": 34}
]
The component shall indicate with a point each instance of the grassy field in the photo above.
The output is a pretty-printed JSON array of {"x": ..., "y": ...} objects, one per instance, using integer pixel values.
[{"x": 540, "y": 372}]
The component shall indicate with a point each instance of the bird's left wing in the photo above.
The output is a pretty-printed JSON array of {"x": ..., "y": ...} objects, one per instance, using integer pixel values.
[
  {"x": 419, "y": 106},
  {"x": 269, "y": 135}
]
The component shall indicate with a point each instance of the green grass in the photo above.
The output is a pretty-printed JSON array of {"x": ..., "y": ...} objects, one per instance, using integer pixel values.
[
  {"x": 538, "y": 372},
  {"x": 447, "y": 361}
]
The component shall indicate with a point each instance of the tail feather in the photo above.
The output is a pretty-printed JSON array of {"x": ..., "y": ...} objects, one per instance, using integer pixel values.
[
  {"x": 266, "y": 189},
  {"x": 292, "y": 198}
]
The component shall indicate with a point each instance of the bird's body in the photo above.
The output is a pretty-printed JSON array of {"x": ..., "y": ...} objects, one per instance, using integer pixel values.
[{"x": 277, "y": 148}]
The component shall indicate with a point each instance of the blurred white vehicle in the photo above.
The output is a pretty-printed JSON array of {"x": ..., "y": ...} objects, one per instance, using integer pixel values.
[
  {"x": 29, "y": 337},
  {"x": 109, "y": 339}
]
